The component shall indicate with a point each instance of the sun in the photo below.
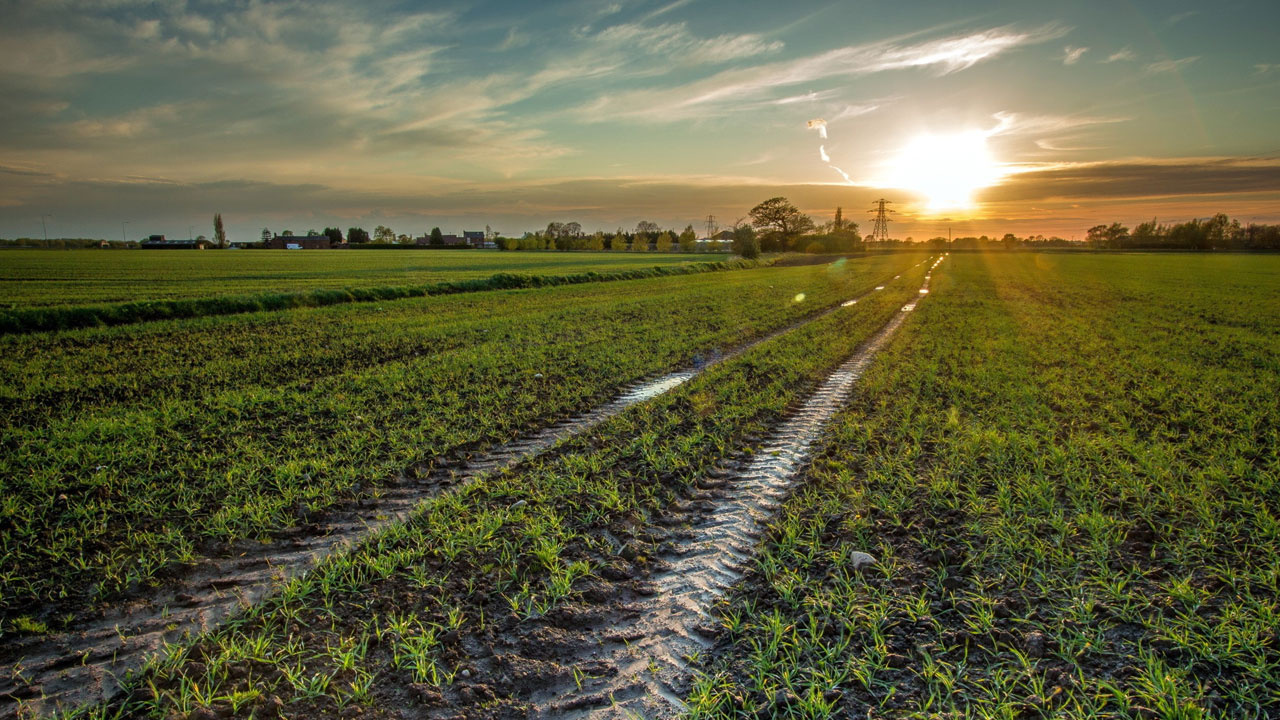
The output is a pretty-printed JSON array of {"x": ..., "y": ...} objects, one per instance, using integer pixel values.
[{"x": 946, "y": 169}]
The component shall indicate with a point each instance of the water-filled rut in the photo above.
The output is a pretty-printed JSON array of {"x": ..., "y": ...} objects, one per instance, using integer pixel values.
[
  {"x": 638, "y": 666},
  {"x": 41, "y": 674}
]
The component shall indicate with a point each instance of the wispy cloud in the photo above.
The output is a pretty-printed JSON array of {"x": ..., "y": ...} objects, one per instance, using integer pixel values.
[
  {"x": 1014, "y": 123},
  {"x": 1121, "y": 55},
  {"x": 1071, "y": 55},
  {"x": 743, "y": 87},
  {"x": 1169, "y": 66}
]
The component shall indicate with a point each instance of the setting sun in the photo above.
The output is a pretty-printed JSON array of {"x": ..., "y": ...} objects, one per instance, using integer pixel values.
[{"x": 945, "y": 169}]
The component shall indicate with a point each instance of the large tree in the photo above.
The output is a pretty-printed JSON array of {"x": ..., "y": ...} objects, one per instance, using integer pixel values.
[
  {"x": 219, "y": 234},
  {"x": 781, "y": 223},
  {"x": 688, "y": 240},
  {"x": 437, "y": 237},
  {"x": 335, "y": 235},
  {"x": 384, "y": 234},
  {"x": 664, "y": 241},
  {"x": 357, "y": 235},
  {"x": 745, "y": 243}
]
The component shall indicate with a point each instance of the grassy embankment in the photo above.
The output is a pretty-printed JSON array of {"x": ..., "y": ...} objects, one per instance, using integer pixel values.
[{"x": 68, "y": 317}]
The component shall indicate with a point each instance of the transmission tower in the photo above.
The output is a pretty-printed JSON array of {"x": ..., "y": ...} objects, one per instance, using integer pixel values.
[
  {"x": 711, "y": 225},
  {"x": 880, "y": 232}
]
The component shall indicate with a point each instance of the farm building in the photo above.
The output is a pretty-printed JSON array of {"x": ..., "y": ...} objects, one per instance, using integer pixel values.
[
  {"x": 447, "y": 240},
  {"x": 158, "y": 242},
  {"x": 299, "y": 242}
]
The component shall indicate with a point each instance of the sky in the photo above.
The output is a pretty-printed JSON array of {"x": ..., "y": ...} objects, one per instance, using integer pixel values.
[{"x": 125, "y": 118}]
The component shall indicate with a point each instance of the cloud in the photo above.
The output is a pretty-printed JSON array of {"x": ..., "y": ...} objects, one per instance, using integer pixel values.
[
  {"x": 742, "y": 87},
  {"x": 1123, "y": 54},
  {"x": 1015, "y": 123},
  {"x": 1168, "y": 66},
  {"x": 1266, "y": 68},
  {"x": 1140, "y": 179},
  {"x": 1072, "y": 55},
  {"x": 515, "y": 39}
]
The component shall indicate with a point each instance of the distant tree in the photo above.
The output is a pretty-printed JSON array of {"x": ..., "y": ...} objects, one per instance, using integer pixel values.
[
  {"x": 664, "y": 242},
  {"x": 647, "y": 228},
  {"x": 571, "y": 229},
  {"x": 688, "y": 240},
  {"x": 745, "y": 242},
  {"x": 640, "y": 242},
  {"x": 219, "y": 234},
  {"x": 596, "y": 241},
  {"x": 554, "y": 230},
  {"x": 437, "y": 237},
  {"x": 384, "y": 234},
  {"x": 781, "y": 222},
  {"x": 357, "y": 235},
  {"x": 266, "y": 234},
  {"x": 287, "y": 233},
  {"x": 403, "y": 239},
  {"x": 312, "y": 232},
  {"x": 619, "y": 241},
  {"x": 838, "y": 223},
  {"x": 335, "y": 235},
  {"x": 201, "y": 239}
]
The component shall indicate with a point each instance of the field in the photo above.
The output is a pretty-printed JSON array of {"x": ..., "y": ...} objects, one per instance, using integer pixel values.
[
  {"x": 1049, "y": 490},
  {"x": 41, "y": 278}
]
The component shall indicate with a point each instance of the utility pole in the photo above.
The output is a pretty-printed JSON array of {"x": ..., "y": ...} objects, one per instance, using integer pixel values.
[
  {"x": 711, "y": 225},
  {"x": 880, "y": 231},
  {"x": 45, "y": 229},
  {"x": 123, "y": 237}
]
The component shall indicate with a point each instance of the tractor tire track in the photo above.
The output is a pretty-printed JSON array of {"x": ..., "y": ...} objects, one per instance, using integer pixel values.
[
  {"x": 41, "y": 675},
  {"x": 638, "y": 667}
]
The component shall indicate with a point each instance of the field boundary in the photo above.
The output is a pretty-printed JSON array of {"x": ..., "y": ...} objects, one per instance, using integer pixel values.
[{"x": 30, "y": 320}]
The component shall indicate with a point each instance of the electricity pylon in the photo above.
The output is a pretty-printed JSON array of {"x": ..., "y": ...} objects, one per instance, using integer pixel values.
[{"x": 880, "y": 231}]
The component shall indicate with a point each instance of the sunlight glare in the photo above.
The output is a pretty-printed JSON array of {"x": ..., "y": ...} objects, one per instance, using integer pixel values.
[{"x": 946, "y": 169}]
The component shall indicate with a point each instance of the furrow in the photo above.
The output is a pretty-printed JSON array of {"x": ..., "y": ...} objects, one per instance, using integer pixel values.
[
  {"x": 652, "y": 669},
  {"x": 90, "y": 662}
]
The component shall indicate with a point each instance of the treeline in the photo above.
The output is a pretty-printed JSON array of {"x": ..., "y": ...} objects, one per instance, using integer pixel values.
[
  {"x": 647, "y": 237},
  {"x": 67, "y": 243},
  {"x": 1216, "y": 233}
]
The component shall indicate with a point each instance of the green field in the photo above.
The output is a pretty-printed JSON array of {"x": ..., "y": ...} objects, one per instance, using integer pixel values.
[
  {"x": 1068, "y": 469},
  {"x": 126, "y": 448},
  {"x": 1064, "y": 466},
  {"x": 42, "y": 278}
]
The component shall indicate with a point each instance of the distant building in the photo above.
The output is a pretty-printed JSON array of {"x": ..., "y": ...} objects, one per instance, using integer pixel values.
[
  {"x": 158, "y": 242},
  {"x": 299, "y": 242},
  {"x": 445, "y": 240},
  {"x": 475, "y": 238}
]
